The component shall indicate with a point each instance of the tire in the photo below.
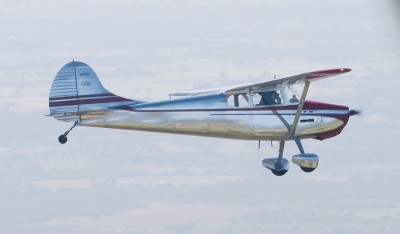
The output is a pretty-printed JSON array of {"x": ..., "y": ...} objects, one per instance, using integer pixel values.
[
  {"x": 62, "y": 139},
  {"x": 307, "y": 169},
  {"x": 279, "y": 172}
]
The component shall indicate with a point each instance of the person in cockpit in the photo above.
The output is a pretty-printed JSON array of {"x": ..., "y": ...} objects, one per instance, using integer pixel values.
[
  {"x": 293, "y": 99},
  {"x": 270, "y": 98}
]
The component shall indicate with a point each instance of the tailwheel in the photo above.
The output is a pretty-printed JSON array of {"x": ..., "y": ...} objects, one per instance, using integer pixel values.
[{"x": 62, "y": 139}]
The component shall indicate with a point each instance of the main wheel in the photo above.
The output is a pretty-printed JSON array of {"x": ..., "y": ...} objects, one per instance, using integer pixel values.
[
  {"x": 62, "y": 139},
  {"x": 307, "y": 169},
  {"x": 279, "y": 172}
]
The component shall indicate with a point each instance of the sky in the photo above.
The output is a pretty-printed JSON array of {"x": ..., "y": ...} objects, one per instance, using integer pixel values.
[{"x": 115, "y": 181}]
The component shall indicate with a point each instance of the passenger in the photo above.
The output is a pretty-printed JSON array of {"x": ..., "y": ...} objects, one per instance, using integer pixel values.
[{"x": 293, "y": 99}]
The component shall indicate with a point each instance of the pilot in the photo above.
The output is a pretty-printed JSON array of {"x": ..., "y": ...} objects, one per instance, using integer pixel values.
[
  {"x": 270, "y": 98},
  {"x": 264, "y": 99},
  {"x": 293, "y": 99}
]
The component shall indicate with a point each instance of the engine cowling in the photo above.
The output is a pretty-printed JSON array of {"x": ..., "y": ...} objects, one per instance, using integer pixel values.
[{"x": 307, "y": 162}]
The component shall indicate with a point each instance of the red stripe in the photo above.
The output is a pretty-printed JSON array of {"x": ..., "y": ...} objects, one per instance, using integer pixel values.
[
  {"x": 313, "y": 105},
  {"x": 88, "y": 101},
  {"x": 81, "y": 96},
  {"x": 330, "y": 72}
]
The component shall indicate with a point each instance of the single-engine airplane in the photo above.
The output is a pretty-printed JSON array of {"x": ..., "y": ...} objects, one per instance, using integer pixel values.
[{"x": 265, "y": 111}]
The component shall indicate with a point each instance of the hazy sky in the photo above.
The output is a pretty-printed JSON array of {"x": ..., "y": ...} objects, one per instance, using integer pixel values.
[{"x": 113, "y": 181}]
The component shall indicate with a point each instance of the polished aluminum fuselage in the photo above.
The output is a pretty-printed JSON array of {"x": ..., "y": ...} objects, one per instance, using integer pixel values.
[{"x": 211, "y": 116}]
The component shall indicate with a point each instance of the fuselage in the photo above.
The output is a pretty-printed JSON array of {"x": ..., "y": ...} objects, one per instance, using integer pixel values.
[
  {"x": 212, "y": 116},
  {"x": 269, "y": 110}
]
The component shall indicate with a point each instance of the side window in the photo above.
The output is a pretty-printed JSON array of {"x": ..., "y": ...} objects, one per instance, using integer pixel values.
[
  {"x": 267, "y": 98},
  {"x": 238, "y": 100},
  {"x": 257, "y": 99}
]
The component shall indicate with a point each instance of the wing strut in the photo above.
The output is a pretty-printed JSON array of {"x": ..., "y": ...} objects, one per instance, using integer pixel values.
[{"x": 300, "y": 108}]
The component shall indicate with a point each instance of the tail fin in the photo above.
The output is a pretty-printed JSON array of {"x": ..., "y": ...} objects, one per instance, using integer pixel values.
[{"x": 76, "y": 88}]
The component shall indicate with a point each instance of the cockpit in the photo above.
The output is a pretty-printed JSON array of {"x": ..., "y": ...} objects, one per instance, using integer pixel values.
[
  {"x": 267, "y": 98},
  {"x": 255, "y": 98}
]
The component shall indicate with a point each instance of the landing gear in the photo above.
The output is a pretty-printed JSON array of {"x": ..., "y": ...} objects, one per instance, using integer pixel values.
[
  {"x": 279, "y": 172},
  {"x": 279, "y": 166},
  {"x": 63, "y": 138},
  {"x": 307, "y": 162},
  {"x": 307, "y": 169}
]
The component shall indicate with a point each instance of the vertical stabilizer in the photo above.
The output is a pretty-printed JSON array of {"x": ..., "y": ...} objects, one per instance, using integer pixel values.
[{"x": 76, "y": 88}]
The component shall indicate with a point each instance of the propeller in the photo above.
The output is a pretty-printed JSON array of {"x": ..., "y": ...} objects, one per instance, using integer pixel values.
[{"x": 354, "y": 112}]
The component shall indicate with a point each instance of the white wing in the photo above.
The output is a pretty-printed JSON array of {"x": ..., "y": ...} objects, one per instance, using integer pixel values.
[{"x": 272, "y": 84}]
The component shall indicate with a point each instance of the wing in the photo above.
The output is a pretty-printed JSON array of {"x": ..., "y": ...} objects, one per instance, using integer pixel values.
[
  {"x": 272, "y": 84},
  {"x": 298, "y": 79}
]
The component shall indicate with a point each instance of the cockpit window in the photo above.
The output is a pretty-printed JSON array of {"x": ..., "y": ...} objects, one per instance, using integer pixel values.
[
  {"x": 270, "y": 98},
  {"x": 262, "y": 98},
  {"x": 267, "y": 98},
  {"x": 238, "y": 100}
]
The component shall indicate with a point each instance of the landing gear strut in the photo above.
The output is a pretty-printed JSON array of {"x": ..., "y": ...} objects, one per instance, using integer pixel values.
[
  {"x": 63, "y": 138},
  {"x": 307, "y": 162},
  {"x": 278, "y": 166}
]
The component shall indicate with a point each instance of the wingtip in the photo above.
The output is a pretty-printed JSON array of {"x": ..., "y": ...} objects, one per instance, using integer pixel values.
[{"x": 344, "y": 70}]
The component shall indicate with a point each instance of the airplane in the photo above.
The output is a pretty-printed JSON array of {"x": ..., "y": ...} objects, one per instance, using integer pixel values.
[{"x": 264, "y": 111}]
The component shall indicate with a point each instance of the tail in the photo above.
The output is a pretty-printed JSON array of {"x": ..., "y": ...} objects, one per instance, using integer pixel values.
[{"x": 77, "y": 89}]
